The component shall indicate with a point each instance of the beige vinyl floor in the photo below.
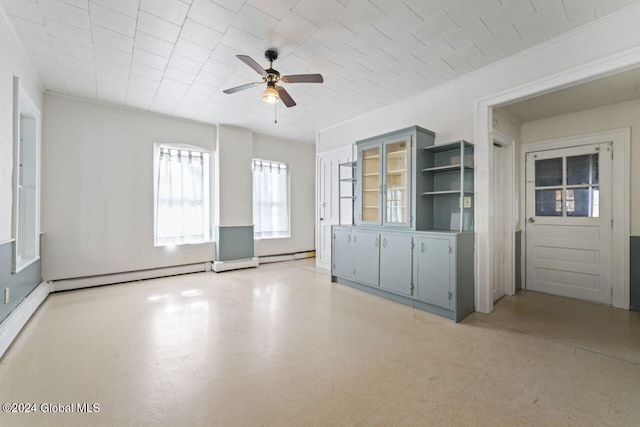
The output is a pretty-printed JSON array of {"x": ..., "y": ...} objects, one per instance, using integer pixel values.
[{"x": 281, "y": 345}]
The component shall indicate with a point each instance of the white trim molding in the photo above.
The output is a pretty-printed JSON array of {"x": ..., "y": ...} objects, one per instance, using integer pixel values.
[{"x": 483, "y": 111}]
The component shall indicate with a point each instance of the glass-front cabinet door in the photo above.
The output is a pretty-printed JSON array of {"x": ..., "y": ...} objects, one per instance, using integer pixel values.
[
  {"x": 397, "y": 200},
  {"x": 371, "y": 183}
]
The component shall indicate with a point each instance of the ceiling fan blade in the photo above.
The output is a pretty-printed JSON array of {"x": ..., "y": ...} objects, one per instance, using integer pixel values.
[
  {"x": 251, "y": 63},
  {"x": 285, "y": 97},
  {"x": 303, "y": 78},
  {"x": 239, "y": 88}
]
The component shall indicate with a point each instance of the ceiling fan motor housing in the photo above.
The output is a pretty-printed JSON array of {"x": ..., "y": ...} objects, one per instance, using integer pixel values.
[{"x": 271, "y": 54}]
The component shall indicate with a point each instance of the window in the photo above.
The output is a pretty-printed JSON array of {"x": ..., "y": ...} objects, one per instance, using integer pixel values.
[
  {"x": 270, "y": 200},
  {"x": 182, "y": 201}
]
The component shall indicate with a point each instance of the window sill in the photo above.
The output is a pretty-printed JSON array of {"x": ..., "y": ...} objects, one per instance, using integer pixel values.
[
  {"x": 172, "y": 245},
  {"x": 24, "y": 263}
]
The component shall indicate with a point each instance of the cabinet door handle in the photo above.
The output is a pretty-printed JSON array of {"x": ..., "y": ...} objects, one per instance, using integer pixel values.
[
  {"x": 422, "y": 248},
  {"x": 384, "y": 243},
  {"x": 348, "y": 238},
  {"x": 354, "y": 239},
  {"x": 376, "y": 242}
]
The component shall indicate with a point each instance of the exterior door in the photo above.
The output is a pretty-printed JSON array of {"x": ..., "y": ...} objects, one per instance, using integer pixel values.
[
  {"x": 328, "y": 212},
  {"x": 568, "y": 228}
]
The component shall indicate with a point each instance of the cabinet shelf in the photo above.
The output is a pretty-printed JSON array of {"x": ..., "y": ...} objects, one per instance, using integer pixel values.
[
  {"x": 372, "y": 156},
  {"x": 348, "y": 197},
  {"x": 448, "y": 168},
  {"x": 451, "y": 146},
  {"x": 368, "y": 190},
  {"x": 397, "y": 154},
  {"x": 348, "y": 180},
  {"x": 396, "y": 172},
  {"x": 396, "y": 188},
  {"x": 371, "y": 174}
]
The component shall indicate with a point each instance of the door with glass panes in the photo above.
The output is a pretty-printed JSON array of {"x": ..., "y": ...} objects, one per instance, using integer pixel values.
[
  {"x": 568, "y": 222},
  {"x": 397, "y": 185}
]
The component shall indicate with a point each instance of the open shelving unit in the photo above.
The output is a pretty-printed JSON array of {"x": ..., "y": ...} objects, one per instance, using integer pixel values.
[
  {"x": 346, "y": 190},
  {"x": 448, "y": 181}
]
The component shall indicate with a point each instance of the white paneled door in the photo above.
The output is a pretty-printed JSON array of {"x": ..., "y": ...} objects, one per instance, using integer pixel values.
[
  {"x": 568, "y": 222},
  {"x": 328, "y": 202}
]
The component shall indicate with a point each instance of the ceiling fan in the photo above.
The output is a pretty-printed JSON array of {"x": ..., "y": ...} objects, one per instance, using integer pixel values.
[{"x": 274, "y": 92}]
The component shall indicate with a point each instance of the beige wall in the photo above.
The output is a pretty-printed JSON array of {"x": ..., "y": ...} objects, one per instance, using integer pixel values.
[{"x": 613, "y": 117}]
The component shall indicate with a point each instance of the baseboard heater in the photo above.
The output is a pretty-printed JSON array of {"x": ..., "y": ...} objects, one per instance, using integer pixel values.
[
  {"x": 130, "y": 276},
  {"x": 234, "y": 248},
  {"x": 286, "y": 257}
]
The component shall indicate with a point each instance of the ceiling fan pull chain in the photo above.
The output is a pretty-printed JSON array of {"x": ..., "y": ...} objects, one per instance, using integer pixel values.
[{"x": 275, "y": 114}]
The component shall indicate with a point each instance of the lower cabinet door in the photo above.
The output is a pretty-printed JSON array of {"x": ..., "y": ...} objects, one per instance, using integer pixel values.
[
  {"x": 366, "y": 254},
  {"x": 434, "y": 270},
  {"x": 396, "y": 256},
  {"x": 342, "y": 254}
]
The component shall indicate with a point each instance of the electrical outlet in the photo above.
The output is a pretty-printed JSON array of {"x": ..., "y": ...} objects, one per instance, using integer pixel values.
[
  {"x": 6, "y": 295},
  {"x": 467, "y": 201}
]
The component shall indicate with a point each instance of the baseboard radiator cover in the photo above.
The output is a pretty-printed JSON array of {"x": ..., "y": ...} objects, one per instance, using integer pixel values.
[
  {"x": 13, "y": 324},
  {"x": 131, "y": 276},
  {"x": 286, "y": 257}
]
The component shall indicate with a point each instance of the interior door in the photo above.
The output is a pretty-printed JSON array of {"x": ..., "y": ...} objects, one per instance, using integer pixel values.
[
  {"x": 568, "y": 228},
  {"x": 328, "y": 202}
]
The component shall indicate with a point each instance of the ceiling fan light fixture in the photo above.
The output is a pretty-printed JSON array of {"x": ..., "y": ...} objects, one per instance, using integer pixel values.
[{"x": 270, "y": 95}]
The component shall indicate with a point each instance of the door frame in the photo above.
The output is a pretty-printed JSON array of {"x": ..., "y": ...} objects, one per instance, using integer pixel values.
[
  {"x": 511, "y": 199},
  {"x": 620, "y": 200},
  {"x": 347, "y": 151},
  {"x": 482, "y": 129}
]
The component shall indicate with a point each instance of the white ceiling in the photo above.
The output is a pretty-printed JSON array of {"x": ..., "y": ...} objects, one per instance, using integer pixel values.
[
  {"x": 176, "y": 56},
  {"x": 609, "y": 90}
]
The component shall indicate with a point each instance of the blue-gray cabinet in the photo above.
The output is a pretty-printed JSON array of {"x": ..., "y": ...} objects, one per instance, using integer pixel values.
[
  {"x": 386, "y": 185},
  {"x": 396, "y": 256},
  {"x": 429, "y": 270}
]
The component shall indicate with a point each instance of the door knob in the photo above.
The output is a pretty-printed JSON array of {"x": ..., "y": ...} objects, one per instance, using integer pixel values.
[
  {"x": 321, "y": 219},
  {"x": 532, "y": 220}
]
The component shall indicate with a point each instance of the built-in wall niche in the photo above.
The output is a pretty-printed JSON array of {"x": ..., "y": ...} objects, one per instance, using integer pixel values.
[{"x": 25, "y": 180}]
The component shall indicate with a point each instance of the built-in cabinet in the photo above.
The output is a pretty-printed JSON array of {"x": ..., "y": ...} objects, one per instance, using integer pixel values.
[
  {"x": 412, "y": 240},
  {"x": 432, "y": 271}
]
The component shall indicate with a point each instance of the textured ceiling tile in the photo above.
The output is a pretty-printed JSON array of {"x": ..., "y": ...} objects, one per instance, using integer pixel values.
[
  {"x": 146, "y": 72},
  {"x": 402, "y": 45},
  {"x": 25, "y": 10},
  {"x": 112, "y": 79},
  {"x": 176, "y": 86},
  {"x": 345, "y": 55},
  {"x": 192, "y": 50},
  {"x": 426, "y": 9},
  {"x": 150, "y": 59},
  {"x": 576, "y": 9},
  {"x": 38, "y": 46},
  {"x": 295, "y": 27},
  {"x": 514, "y": 11},
  {"x": 358, "y": 15},
  {"x": 200, "y": 34},
  {"x": 157, "y": 27},
  {"x": 434, "y": 28},
  {"x": 503, "y": 37},
  {"x": 433, "y": 50},
  {"x": 254, "y": 21},
  {"x": 398, "y": 22},
  {"x": 63, "y": 47},
  {"x": 82, "y": 4},
  {"x": 318, "y": 12},
  {"x": 232, "y": 5},
  {"x": 276, "y": 8},
  {"x": 143, "y": 82},
  {"x": 179, "y": 76},
  {"x": 112, "y": 20},
  {"x": 226, "y": 55},
  {"x": 110, "y": 67},
  {"x": 41, "y": 61},
  {"x": 333, "y": 35},
  {"x": 376, "y": 59},
  {"x": 153, "y": 45},
  {"x": 369, "y": 40},
  {"x": 312, "y": 51},
  {"x": 68, "y": 32},
  {"x": 111, "y": 39},
  {"x": 65, "y": 13},
  {"x": 169, "y": 10},
  {"x": 128, "y": 7},
  {"x": 240, "y": 39},
  {"x": 31, "y": 29},
  {"x": 185, "y": 64},
  {"x": 473, "y": 31},
  {"x": 110, "y": 54},
  {"x": 465, "y": 13},
  {"x": 211, "y": 15},
  {"x": 218, "y": 68}
]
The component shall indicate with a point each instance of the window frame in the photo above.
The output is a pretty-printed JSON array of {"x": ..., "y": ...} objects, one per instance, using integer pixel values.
[
  {"x": 157, "y": 147},
  {"x": 288, "y": 187}
]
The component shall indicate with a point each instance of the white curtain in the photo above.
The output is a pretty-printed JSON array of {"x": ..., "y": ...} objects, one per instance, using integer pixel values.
[
  {"x": 182, "y": 200},
  {"x": 270, "y": 200}
]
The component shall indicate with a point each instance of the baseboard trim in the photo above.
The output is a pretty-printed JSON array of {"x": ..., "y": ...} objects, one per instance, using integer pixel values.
[
  {"x": 220, "y": 266},
  {"x": 132, "y": 276},
  {"x": 13, "y": 324},
  {"x": 286, "y": 257}
]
